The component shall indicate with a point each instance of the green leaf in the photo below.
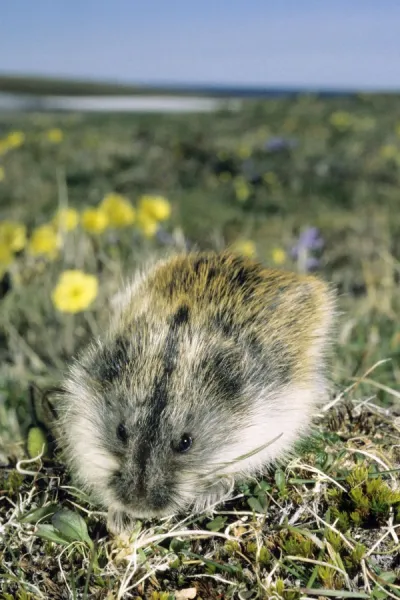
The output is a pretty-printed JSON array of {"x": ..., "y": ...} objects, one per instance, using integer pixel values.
[
  {"x": 49, "y": 533},
  {"x": 379, "y": 594},
  {"x": 280, "y": 480},
  {"x": 177, "y": 545},
  {"x": 213, "y": 564},
  {"x": 36, "y": 442},
  {"x": 217, "y": 524},
  {"x": 262, "y": 486},
  {"x": 389, "y": 576},
  {"x": 72, "y": 526},
  {"x": 39, "y": 514},
  {"x": 255, "y": 505}
]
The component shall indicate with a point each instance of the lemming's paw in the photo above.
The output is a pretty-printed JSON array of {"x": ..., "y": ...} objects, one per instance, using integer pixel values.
[{"x": 119, "y": 522}]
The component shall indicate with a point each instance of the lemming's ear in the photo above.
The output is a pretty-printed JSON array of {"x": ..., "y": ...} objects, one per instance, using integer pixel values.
[
  {"x": 49, "y": 403},
  {"x": 43, "y": 405}
]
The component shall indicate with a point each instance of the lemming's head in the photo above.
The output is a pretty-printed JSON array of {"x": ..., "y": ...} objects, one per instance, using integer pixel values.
[{"x": 151, "y": 420}]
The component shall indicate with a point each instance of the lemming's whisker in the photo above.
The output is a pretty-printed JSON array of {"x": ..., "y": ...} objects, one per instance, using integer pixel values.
[{"x": 244, "y": 456}]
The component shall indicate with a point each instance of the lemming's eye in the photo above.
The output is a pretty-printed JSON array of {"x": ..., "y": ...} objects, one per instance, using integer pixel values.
[
  {"x": 184, "y": 444},
  {"x": 122, "y": 433}
]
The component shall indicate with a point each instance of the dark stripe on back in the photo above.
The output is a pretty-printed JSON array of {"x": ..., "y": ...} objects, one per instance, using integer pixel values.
[
  {"x": 244, "y": 277},
  {"x": 222, "y": 368},
  {"x": 111, "y": 361},
  {"x": 159, "y": 397}
]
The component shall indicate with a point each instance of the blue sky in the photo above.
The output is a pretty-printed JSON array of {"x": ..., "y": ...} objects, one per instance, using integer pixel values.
[{"x": 317, "y": 43}]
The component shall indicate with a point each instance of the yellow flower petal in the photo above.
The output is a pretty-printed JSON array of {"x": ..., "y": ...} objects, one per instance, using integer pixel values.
[
  {"x": 244, "y": 152},
  {"x": 55, "y": 135},
  {"x": 242, "y": 189},
  {"x": 13, "y": 234},
  {"x": 156, "y": 207},
  {"x": 4, "y": 147},
  {"x": 389, "y": 152},
  {"x": 147, "y": 225},
  {"x": 245, "y": 247},
  {"x": 225, "y": 176},
  {"x": 75, "y": 291},
  {"x": 6, "y": 255},
  {"x": 44, "y": 241},
  {"x": 94, "y": 220},
  {"x": 278, "y": 256},
  {"x": 119, "y": 210},
  {"x": 271, "y": 179},
  {"x": 341, "y": 120},
  {"x": 66, "y": 219},
  {"x": 15, "y": 139}
]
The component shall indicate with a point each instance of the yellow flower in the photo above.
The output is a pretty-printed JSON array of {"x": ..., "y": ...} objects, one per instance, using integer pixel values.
[
  {"x": 146, "y": 223},
  {"x": 66, "y": 219},
  {"x": 245, "y": 247},
  {"x": 242, "y": 189},
  {"x": 94, "y": 220},
  {"x": 2, "y": 174},
  {"x": 6, "y": 258},
  {"x": 389, "y": 152},
  {"x": 225, "y": 176},
  {"x": 156, "y": 207},
  {"x": 4, "y": 147},
  {"x": 54, "y": 135},
  {"x": 15, "y": 139},
  {"x": 271, "y": 179},
  {"x": 75, "y": 291},
  {"x": 341, "y": 120},
  {"x": 244, "y": 152},
  {"x": 44, "y": 241},
  {"x": 13, "y": 234},
  {"x": 120, "y": 211},
  {"x": 278, "y": 256}
]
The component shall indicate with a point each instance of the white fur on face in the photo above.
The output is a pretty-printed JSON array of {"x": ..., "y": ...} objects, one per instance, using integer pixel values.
[
  {"x": 279, "y": 417},
  {"x": 277, "y": 421},
  {"x": 81, "y": 437}
]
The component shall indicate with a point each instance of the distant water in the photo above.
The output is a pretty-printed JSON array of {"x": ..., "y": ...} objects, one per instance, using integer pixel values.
[
  {"x": 15, "y": 102},
  {"x": 172, "y": 98}
]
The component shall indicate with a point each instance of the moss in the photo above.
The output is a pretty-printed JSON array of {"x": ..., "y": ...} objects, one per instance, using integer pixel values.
[
  {"x": 330, "y": 578},
  {"x": 231, "y": 547},
  {"x": 296, "y": 544},
  {"x": 263, "y": 554},
  {"x": 368, "y": 500},
  {"x": 333, "y": 539},
  {"x": 11, "y": 481}
]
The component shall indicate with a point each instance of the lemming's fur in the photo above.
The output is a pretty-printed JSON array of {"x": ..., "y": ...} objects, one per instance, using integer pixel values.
[{"x": 213, "y": 346}]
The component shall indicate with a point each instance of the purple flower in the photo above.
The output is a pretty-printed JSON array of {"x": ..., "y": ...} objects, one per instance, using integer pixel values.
[
  {"x": 312, "y": 263},
  {"x": 308, "y": 245},
  {"x": 275, "y": 144},
  {"x": 311, "y": 239}
]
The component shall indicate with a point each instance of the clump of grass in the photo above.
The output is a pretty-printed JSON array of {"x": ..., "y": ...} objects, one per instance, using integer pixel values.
[{"x": 369, "y": 500}]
